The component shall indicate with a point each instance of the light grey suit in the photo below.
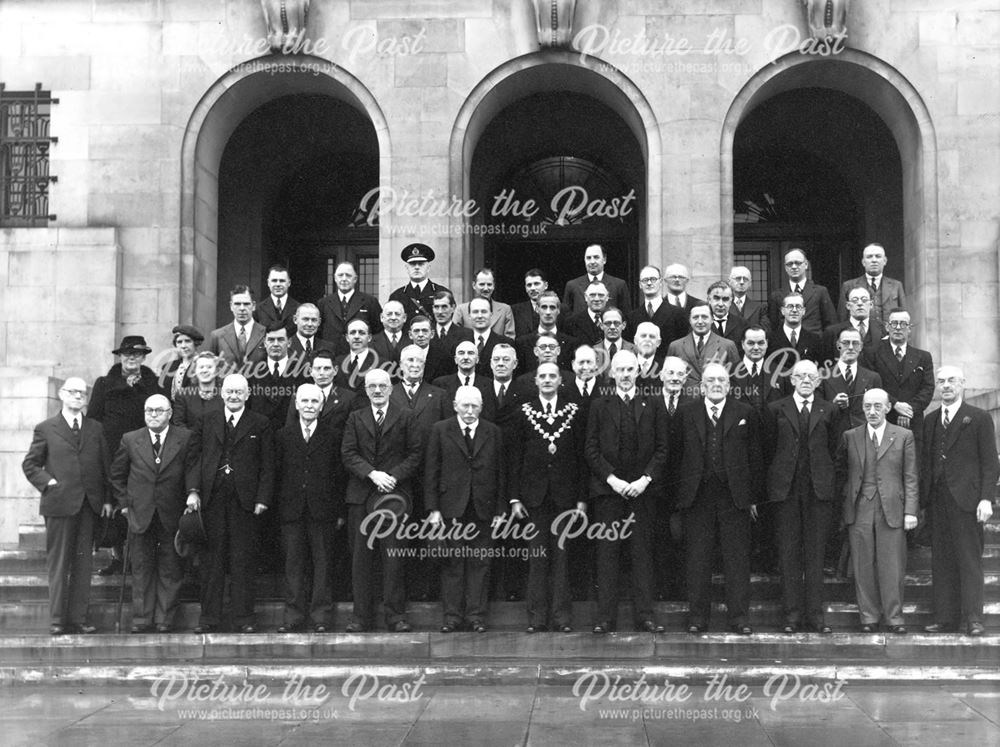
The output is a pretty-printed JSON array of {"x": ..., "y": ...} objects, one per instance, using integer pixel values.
[
  {"x": 222, "y": 341},
  {"x": 717, "y": 350},
  {"x": 890, "y": 296},
  {"x": 874, "y": 516}
]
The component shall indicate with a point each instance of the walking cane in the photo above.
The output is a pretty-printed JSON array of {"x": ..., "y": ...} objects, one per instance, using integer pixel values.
[{"x": 125, "y": 569}]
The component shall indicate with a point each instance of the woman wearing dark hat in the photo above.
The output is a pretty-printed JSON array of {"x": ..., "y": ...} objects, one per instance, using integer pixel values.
[
  {"x": 180, "y": 371},
  {"x": 118, "y": 400},
  {"x": 192, "y": 404}
]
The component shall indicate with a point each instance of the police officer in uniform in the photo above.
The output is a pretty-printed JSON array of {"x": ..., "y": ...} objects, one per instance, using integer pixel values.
[{"x": 417, "y": 296}]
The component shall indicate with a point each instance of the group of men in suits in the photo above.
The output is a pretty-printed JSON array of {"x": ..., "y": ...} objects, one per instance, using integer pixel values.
[{"x": 666, "y": 419}]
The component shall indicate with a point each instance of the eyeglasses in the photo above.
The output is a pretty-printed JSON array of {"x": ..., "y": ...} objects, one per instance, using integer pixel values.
[
  {"x": 794, "y": 263},
  {"x": 647, "y": 281},
  {"x": 613, "y": 323},
  {"x": 75, "y": 392},
  {"x": 897, "y": 325},
  {"x": 547, "y": 347},
  {"x": 156, "y": 411},
  {"x": 851, "y": 343},
  {"x": 794, "y": 306},
  {"x": 378, "y": 386}
]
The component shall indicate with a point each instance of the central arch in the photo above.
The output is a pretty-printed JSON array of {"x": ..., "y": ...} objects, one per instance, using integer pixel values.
[{"x": 548, "y": 72}]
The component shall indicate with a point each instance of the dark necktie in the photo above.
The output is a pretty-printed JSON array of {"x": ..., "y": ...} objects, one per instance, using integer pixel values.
[
  {"x": 379, "y": 419},
  {"x": 277, "y": 308},
  {"x": 468, "y": 380},
  {"x": 500, "y": 394},
  {"x": 343, "y": 306},
  {"x": 612, "y": 349},
  {"x": 241, "y": 341},
  {"x": 548, "y": 409},
  {"x": 794, "y": 338},
  {"x": 410, "y": 391},
  {"x": 804, "y": 418},
  {"x": 76, "y": 427},
  {"x": 231, "y": 423},
  {"x": 715, "y": 415},
  {"x": 480, "y": 345},
  {"x": 649, "y": 309},
  {"x": 797, "y": 288},
  {"x": 862, "y": 329},
  {"x": 946, "y": 420},
  {"x": 848, "y": 377},
  {"x": 156, "y": 445},
  {"x": 277, "y": 370},
  {"x": 309, "y": 345},
  {"x": 672, "y": 405},
  {"x": 307, "y": 433},
  {"x": 468, "y": 439},
  {"x": 899, "y": 354},
  {"x": 393, "y": 339},
  {"x": 754, "y": 371},
  {"x": 700, "y": 344},
  {"x": 875, "y": 440},
  {"x": 872, "y": 288}
]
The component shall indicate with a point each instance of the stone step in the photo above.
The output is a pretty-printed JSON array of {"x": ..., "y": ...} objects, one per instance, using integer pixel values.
[
  {"x": 497, "y": 658},
  {"x": 33, "y": 615},
  {"x": 18, "y": 587},
  {"x": 31, "y": 536}
]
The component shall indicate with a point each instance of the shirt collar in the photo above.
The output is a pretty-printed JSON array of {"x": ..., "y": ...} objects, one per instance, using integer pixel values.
[
  {"x": 788, "y": 331},
  {"x": 799, "y": 400},
  {"x": 235, "y": 415},
  {"x": 842, "y": 367},
  {"x": 162, "y": 434},
  {"x": 952, "y": 409},
  {"x": 880, "y": 432},
  {"x": 384, "y": 408},
  {"x": 347, "y": 296},
  {"x": 282, "y": 364},
  {"x": 498, "y": 384},
  {"x": 749, "y": 364},
  {"x": 472, "y": 426},
  {"x": 709, "y": 405},
  {"x": 656, "y": 301},
  {"x": 621, "y": 394},
  {"x": 554, "y": 402},
  {"x": 69, "y": 418},
  {"x": 419, "y": 287}
]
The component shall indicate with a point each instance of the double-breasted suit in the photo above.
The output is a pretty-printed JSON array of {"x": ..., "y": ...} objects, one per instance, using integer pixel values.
[
  {"x": 910, "y": 380},
  {"x": 79, "y": 464},
  {"x": 879, "y": 489},
  {"x": 335, "y": 317},
  {"x": 153, "y": 488},
  {"x": 395, "y": 448},
  {"x": 720, "y": 476},
  {"x": 548, "y": 475},
  {"x": 800, "y": 484},
  {"x": 959, "y": 470},
  {"x": 310, "y": 500},
  {"x": 228, "y": 498},
  {"x": 267, "y": 314},
  {"x": 466, "y": 483},
  {"x": 629, "y": 441}
]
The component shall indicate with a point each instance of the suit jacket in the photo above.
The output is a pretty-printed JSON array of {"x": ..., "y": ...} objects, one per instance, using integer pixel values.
[
  {"x": 820, "y": 312},
  {"x": 299, "y": 358},
  {"x": 754, "y": 313},
  {"x": 80, "y": 470},
  {"x": 310, "y": 479},
  {"x": 222, "y": 341},
  {"x": 536, "y": 472},
  {"x": 971, "y": 468},
  {"x": 345, "y": 376},
  {"x": 873, "y": 334},
  {"x": 493, "y": 411},
  {"x": 492, "y": 340},
  {"x": 808, "y": 346},
  {"x": 603, "y": 447},
  {"x": 863, "y": 381},
  {"x": 742, "y": 456},
  {"x": 417, "y": 303},
  {"x": 398, "y": 451},
  {"x": 340, "y": 403},
  {"x": 582, "y": 326},
  {"x": 604, "y": 355},
  {"x": 524, "y": 346},
  {"x": 441, "y": 352},
  {"x": 757, "y": 391},
  {"x": 735, "y": 326},
  {"x": 271, "y": 396},
  {"x": 911, "y": 382},
  {"x": 782, "y": 437},
  {"x": 385, "y": 350},
  {"x": 672, "y": 322},
  {"x": 895, "y": 472},
  {"x": 689, "y": 303},
  {"x": 145, "y": 487},
  {"x": 252, "y": 458},
  {"x": 453, "y": 475},
  {"x": 501, "y": 320},
  {"x": 717, "y": 350},
  {"x": 265, "y": 313},
  {"x": 890, "y": 296},
  {"x": 431, "y": 403},
  {"x": 575, "y": 300},
  {"x": 335, "y": 321},
  {"x": 449, "y": 385},
  {"x": 525, "y": 318}
]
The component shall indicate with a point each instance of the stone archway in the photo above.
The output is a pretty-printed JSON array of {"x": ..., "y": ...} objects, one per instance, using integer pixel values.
[
  {"x": 894, "y": 99},
  {"x": 544, "y": 72},
  {"x": 219, "y": 112}
]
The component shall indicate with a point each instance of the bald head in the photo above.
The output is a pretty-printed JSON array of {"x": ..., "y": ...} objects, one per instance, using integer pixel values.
[{"x": 156, "y": 412}]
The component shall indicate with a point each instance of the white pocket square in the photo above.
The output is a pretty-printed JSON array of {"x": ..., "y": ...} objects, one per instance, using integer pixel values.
[{"x": 742, "y": 422}]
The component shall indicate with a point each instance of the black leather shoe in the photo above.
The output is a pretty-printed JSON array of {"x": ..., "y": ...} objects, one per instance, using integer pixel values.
[
  {"x": 648, "y": 626},
  {"x": 111, "y": 569},
  {"x": 695, "y": 629},
  {"x": 565, "y": 628},
  {"x": 288, "y": 628},
  {"x": 355, "y": 627},
  {"x": 789, "y": 629},
  {"x": 742, "y": 629},
  {"x": 602, "y": 628},
  {"x": 321, "y": 628},
  {"x": 478, "y": 627},
  {"x": 402, "y": 627},
  {"x": 976, "y": 629},
  {"x": 81, "y": 629},
  {"x": 897, "y": 629},
  {"x": 935, "y": 628},
  {"x": 164, "y": 628},
  {"x": 57, "y": 629},
  {"x": 867, "y": 627},
  {"x": 824, "y": 629},
  {"x": 448, "y": 628},
  {"x": 535, "y": 629},
  {"x": 247, "y": 629},
  {"x": 139, "y": 629},
  {"x": 203, "y": 629}
]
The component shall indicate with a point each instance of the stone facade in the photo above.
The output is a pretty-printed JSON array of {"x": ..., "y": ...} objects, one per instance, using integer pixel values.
[{"x": 145, "y": 112}]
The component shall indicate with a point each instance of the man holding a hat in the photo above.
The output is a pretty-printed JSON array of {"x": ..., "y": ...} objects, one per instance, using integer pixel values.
[
  {"x": 148, "y": 476},
  {"x": 117, "y": 402},
  {"x": 417, "y": 296}
]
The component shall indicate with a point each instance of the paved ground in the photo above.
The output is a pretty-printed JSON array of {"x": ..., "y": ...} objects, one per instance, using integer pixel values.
[{"x": 176, "y": 713}]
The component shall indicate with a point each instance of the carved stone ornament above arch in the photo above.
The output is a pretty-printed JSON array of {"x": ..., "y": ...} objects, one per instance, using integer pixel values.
[
  {"x": 286, "y": 24},
  {"x": 827, "y": 19}
]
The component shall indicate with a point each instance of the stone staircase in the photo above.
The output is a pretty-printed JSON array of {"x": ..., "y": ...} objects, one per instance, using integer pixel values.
[{"x": 505, "y": 654}]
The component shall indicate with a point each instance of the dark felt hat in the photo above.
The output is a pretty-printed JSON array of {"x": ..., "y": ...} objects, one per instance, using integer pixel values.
[
  {"x": 186, "y": 329},
  {"x": 190, "y": 534},
  {"x": 417, "y": 251},
  {"x": 397, "y": 502},
  {"x": 111, "y": 530},
  {"x": 133, "y": 344}
]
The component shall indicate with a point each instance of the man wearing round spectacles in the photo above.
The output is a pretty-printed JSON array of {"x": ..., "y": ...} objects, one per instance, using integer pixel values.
[{"x": 819, "y": 312}]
